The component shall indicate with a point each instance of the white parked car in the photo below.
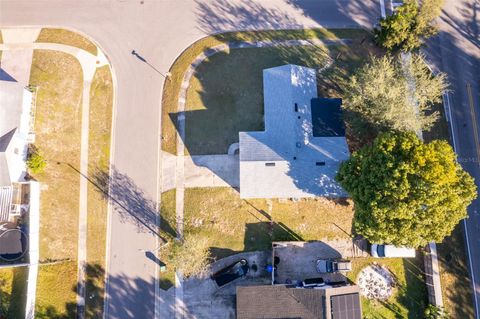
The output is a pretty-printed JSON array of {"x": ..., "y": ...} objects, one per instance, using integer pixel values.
[{"x": 381, "y": 251}]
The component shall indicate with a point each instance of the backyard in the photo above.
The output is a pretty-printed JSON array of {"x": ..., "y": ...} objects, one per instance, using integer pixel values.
[
  {"x": 233, "y": 225},
  {"x": 410, "y": 293}
]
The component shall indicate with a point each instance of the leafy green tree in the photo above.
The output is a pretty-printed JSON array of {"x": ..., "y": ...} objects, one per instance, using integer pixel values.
[
  {"x": 379, "y": 97},
  {"x": 408, "y": 27},
  {"x": 35, "y": 161},
  {"x": 434, "y": 312},
  {"x": 406, "y": 193}
]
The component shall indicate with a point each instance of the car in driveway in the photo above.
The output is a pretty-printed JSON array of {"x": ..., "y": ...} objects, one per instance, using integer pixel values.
[
  {"x": 313, "y": 282},
  {"x": 238, "y": 269},
  {"x": 333, "y": 265},
  {"x": 385, "y": 251}
]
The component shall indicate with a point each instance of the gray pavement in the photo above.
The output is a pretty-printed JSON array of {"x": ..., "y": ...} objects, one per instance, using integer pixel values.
[
  {"x": 159, "y": 31},
  {"x": 456, "y": 51}
]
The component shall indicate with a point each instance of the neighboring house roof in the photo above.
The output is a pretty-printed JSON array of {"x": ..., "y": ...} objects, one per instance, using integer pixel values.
[
  {"x": 303, "y": 144},
  {"x": 280, "y": 301}
]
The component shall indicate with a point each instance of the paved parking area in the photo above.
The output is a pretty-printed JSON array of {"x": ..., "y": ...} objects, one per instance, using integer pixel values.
[
  {"x": 203, "y": 299},
  {"x": 298, "y": 259}
]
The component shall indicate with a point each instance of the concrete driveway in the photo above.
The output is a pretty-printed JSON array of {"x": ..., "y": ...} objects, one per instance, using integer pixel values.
[
  {"x": 203, "y": 298},
  {"x": 298, "y": 259}
]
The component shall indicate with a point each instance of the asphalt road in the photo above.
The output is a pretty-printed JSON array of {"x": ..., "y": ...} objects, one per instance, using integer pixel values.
[
  {"x": 158, "y": 31},
  {"x": 456, "y": 51}
]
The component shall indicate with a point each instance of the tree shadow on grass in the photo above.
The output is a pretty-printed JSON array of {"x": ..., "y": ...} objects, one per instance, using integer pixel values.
[
  {"x": 453, "y": 263},
  {"x": 133, "y": 298},
  {"x": 13, "y": 305}
]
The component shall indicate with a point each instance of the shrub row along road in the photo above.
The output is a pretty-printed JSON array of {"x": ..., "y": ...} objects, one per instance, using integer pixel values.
[{"x": 159, "y": 31}]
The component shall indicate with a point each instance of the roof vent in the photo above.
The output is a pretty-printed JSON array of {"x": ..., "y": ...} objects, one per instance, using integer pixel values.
[
  {"x": 269, "y": 164},
  {"x": 296, "y": 107},
  {"x": 320, "y": 163}
]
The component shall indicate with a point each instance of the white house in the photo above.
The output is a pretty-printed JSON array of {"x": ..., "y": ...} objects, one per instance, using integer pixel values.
[
  {"x": 15, "y": 115},
  {"x": 303, "y": 144}
]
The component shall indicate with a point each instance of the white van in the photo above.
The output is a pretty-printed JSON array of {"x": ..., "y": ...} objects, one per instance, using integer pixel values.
[{"x": 380, "y": 251}]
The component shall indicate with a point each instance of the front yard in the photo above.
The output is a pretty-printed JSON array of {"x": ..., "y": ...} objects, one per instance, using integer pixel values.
[
  {"x": 59, "y": 81},
  {"x": 245, "y": 66}
]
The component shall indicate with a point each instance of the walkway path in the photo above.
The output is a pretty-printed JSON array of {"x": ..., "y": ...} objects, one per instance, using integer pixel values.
[
  {"x": 211, "y": 170},
  {"x": 89, "y": 64}
]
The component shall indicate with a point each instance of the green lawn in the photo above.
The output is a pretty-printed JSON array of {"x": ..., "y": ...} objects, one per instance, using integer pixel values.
[
  {"x": 172, "y": 86},
  {"x": 410, "y": 294},
  {"x": 167, "y": 229},
  {"x": 62, "y": 36},
  {"x": 226, "y": 94},
  {"x": 56, "y": 291},
  {"x": 13, "y": 292}
]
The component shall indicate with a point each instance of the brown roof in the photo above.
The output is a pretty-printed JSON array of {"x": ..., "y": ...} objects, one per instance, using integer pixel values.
[{"x": 282, "y": 302}]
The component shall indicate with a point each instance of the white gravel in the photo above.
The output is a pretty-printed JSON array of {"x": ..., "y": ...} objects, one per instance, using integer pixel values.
[{"x": 376, "y": 282}]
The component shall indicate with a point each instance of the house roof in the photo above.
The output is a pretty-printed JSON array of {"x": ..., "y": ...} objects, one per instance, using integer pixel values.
[
  {"x": 11, "y": 105},
  {"x": 288, "y": 159},
  {"x": 280, "y": 301}
]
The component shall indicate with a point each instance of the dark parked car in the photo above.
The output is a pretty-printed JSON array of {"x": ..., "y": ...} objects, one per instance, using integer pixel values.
[
  {"x": 313, "y": 282},
  {"x": 332, "y": 266},
  {"x": 234, "y": 271}
]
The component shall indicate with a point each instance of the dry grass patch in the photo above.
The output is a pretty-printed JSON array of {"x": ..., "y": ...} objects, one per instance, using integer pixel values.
[
  {"x": 101, "y": 103},
  {"x": 235, "y": 225},
  {"x": 58, "y": 77},
  {"x": 66, "y": 37}
]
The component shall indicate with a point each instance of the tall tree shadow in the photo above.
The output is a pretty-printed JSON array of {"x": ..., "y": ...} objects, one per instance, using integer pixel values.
[{"x": 133, "y": 298}]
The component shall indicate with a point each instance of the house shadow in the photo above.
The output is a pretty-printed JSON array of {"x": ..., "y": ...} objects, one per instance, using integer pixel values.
[{"x": 258, "y": 237}]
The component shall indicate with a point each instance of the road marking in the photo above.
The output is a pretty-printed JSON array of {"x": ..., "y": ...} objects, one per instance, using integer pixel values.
[
  {"x": 474, "y": 122},
  {"x": 382, "y": 8}
]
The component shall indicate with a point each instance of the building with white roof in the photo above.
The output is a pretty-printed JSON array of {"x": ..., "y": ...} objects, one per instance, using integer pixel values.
[
  {"x": 15, "y": 115},
  {"x": 303, "y": 144}
]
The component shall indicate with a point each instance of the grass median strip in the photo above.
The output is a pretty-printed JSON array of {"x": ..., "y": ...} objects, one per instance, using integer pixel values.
[
  {"x": 101, "y": 103},
  {"x": 67, "y": 37}
]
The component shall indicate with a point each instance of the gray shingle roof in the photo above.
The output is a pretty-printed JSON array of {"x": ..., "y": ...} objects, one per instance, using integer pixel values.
[
  {"x": 286, "y": 160},
  {"x": 280, "y": 301}
]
